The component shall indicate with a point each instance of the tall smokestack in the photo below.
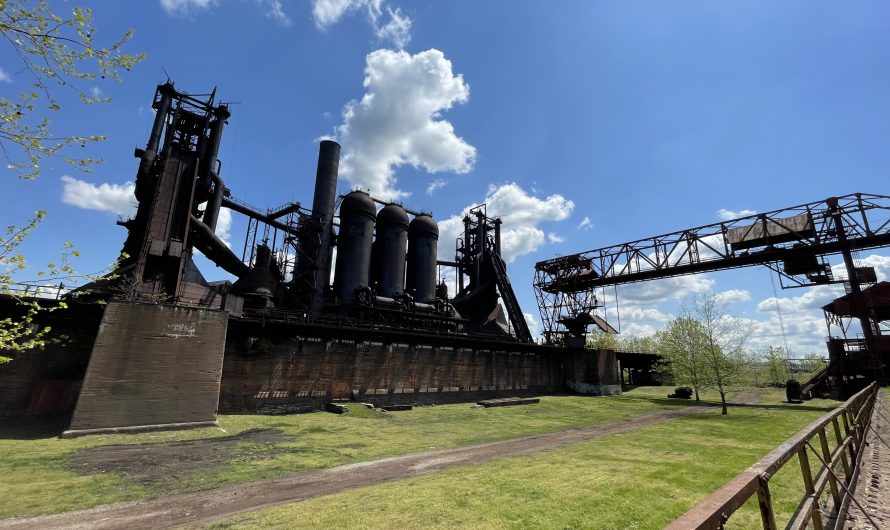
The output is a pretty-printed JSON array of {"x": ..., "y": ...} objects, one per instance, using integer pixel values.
[{"x": 323, "y": 211}]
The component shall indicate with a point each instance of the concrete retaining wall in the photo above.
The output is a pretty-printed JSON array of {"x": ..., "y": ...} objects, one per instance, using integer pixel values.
[{"x": 152, "y": 365}]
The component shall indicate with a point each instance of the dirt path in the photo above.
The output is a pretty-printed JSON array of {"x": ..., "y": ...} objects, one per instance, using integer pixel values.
[
  {"x": 873, "y": 486},
  {"x": 203, "y": 507}
]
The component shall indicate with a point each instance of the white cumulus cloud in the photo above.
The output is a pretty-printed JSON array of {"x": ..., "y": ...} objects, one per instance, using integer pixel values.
[
  {"x": 435, "y": 185},
  {"x": 553, "y": 237},
  {"x": 271, "y": 8},
  {"x": 521, "y": 214},
  {"x": 532, "y": 323},
  {"x": 658, "y": 291},
  {"x": 398, "y": 121},
  {"x": 275, "y": 11},
  {"x": 4, "y": 77},
  {"x": 727, "y": 215},
  {"x": 183, "y": 7},
  {"x": 733, "y": 295},
  {"x": 387, "y": 23},
  {"x": 105, "y": 197},
  {"x": 585, "y": 224},
  {"x": 224, "y": 226}
]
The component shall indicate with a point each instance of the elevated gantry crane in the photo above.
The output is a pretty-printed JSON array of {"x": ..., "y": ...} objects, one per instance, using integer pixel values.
[{"x": 795, "y": 242}]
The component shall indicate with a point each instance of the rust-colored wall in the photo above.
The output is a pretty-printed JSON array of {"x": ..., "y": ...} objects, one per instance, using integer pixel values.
[
  {"x": 151, "y": 365},
  {"x": 268, "y": 373},
  {"x": 593, "y": 372},
  {"x": 45, "y": 381}
]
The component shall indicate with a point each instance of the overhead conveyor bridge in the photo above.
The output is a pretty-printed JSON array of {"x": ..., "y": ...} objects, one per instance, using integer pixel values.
[{"x": 795, "y": 242}]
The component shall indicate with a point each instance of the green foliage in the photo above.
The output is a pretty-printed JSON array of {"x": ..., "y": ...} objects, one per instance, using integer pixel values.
[
  {"x": 57, "y": 52},
  {"x": 682, "y": 344},
  {"x": 723, "y": 341},
  {"x": 776, "y": 366},
  {"x": 631, "y": 343},
  {"x": 812, "y": 363},
  {"x": 705, "y": 346},
  {"x": 22, "y": 332},
  {"x": 600, "y": 340}
]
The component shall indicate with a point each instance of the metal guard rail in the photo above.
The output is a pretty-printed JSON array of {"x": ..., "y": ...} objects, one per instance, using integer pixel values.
[{"x": 854, "y": 414}]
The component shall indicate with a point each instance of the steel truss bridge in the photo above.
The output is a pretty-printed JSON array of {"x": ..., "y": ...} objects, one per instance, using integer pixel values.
[{"x": 795, "y": 242}]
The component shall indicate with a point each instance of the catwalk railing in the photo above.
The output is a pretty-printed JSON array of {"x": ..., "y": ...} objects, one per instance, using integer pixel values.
[{"x": 835, "y": 473}]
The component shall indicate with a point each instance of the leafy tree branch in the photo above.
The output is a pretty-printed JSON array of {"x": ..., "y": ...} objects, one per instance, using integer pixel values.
[{"x": 56, "y": 52}]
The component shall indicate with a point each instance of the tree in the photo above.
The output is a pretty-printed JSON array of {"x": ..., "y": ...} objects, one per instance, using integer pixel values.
[
  {"x": 723, "y": 342},
  {"x": 632, "y": 343},
  {"x": 812, "y": 363},
  {"x": 681, "y": 343},
  {"x": 55, "y": 52},
  {"x": 776, "y": 366},
  {"x": 600, "y": 340}
]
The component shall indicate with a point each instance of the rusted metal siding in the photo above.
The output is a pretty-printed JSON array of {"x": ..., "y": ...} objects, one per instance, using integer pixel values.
[
  {"x": 288, "y": 373},
  {"x": 152, "y": 365},
  {"x": 777, "y": 230},
  {"x": 593, "y": 372}
]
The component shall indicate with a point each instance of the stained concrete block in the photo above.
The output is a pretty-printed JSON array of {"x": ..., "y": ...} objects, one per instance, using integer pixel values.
[{"x": 152, "y": 365}]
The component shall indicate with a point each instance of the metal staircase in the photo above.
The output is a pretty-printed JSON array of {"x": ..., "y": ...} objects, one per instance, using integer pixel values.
[{"x": 514, "y": 312}]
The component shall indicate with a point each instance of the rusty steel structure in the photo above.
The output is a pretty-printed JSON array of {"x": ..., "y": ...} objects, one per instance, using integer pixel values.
[
  {"x": 338, "y": 301},
  {"x": 794, "y": 242},
  {"x": 386, "y": 265},
  {"x": 836, "y": 463},
  {"x": 478, "y": 258}
]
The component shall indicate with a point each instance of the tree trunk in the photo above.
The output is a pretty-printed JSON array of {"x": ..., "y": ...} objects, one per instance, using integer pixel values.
[
  {"x": 723, "y": 401},
  {"x": 697, "y": 400}
]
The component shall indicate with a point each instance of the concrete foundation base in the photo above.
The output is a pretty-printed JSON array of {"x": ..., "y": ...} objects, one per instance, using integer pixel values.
[{"x": 152, "y": 366}]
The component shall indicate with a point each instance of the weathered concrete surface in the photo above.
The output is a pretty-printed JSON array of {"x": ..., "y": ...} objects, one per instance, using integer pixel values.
[{"x": 152, "y": 365}]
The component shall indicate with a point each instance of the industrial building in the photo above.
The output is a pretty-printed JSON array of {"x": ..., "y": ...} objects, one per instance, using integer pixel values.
[
  {"x": 343, "y": 300},
  {"x": 166, "y": 348}
]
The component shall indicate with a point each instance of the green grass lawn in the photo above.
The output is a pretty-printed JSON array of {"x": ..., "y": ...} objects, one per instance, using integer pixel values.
[
  {"x": 643, "y": 479},
  {"x": 35, "y": 463}
]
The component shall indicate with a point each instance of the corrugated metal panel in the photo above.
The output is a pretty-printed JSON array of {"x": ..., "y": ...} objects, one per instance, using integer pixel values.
[{"x": 772, "y": 230}]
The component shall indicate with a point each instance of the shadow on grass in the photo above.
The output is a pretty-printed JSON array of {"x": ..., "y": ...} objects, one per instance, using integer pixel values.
[
  {"x": 675, "y": 402},
  {"x": 783, "y": 406},
  {"x": 33, "y": 429}
]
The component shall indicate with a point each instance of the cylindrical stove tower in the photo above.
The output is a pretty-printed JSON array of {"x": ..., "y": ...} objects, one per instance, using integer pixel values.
[
  {"x": 392, "y": 246},
  {"x": 423, "y": 240},
  {"x": 357, "y": 214}
]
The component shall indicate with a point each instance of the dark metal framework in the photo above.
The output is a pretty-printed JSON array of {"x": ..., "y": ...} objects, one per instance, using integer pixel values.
[
  {"x": 282, "y": 229},
  {"x": 795, "y": 242},
  {"x": 478, "y": 256}
]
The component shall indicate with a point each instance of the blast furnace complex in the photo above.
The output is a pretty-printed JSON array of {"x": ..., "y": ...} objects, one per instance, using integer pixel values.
[
  {"x": 166, "y": 348},
  {"x": 344, "y": 301}
]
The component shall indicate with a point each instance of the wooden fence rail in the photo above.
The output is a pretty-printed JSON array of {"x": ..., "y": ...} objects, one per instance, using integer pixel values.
[{"x": 837, "y": 470}]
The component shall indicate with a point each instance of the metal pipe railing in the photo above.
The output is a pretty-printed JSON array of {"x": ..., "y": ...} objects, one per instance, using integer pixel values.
[{"x": 837, "y": 471}]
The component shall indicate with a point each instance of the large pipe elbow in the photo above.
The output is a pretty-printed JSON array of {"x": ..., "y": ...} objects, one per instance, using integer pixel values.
[
  {"x": 215, "y": 250},
  {"x": 214, "y": 203}
]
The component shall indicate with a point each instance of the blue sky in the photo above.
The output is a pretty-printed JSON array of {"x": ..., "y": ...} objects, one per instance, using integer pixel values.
[{"x": 638, "y": 117}]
